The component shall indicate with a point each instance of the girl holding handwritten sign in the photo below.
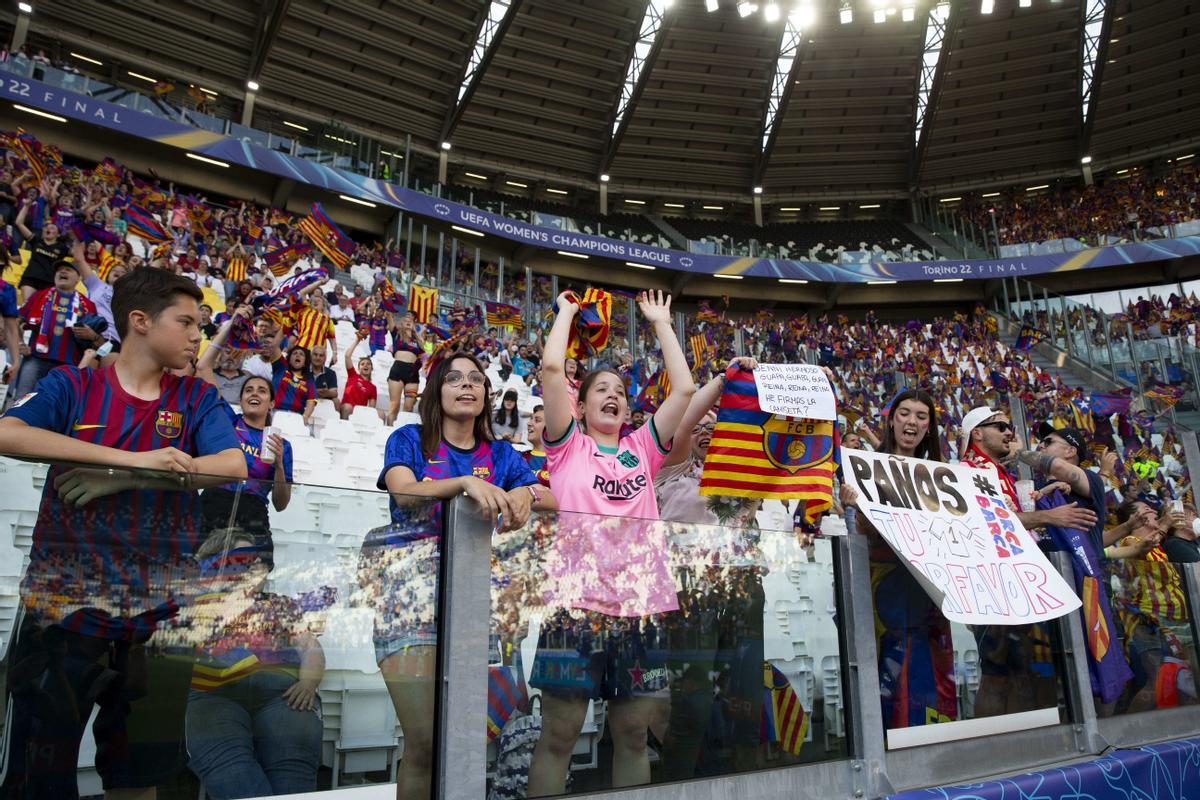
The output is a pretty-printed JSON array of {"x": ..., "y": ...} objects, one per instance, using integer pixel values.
[{"x": 916, "y": 653}]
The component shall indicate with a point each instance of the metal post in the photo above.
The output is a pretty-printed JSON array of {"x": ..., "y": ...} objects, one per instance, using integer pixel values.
[
  {"x": 856, "y": 623},
  {"x": 424, "y": 239},
  {"x": 630, "y": 328},
  {"x": 680, "y": 320},
  {"x": 1020, "y": 423},
  {"x": 739, "y": 343},
  {"x": 1137, "y": 368},
  {"x": 500, "y": 280},
  {"x": 440, "y": 257},
  {"x": 1112, "y": 363},
  {"x": 453, "y": 262},
  {"x": 635, "y": 343},
  {"x": 995, "y": 232},
  {"x": 1008, "y": 309},
  {"x": 529, "y": 315},
  {"x": 408, "y": 246},
  {"x": 1049, "y": 317},
  {"x": 476, "y": 284},
  {"x": 553, "y": 288},
  {"x": 463, "y": 622},
  {"x": 1066, "y": 320},
  {"x": 1077, "y": 687}
]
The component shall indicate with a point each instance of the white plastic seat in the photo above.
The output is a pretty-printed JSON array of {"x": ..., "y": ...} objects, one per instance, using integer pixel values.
[
  {"x": 290, "y": 425},
  {"x": 368, "y": 737}
]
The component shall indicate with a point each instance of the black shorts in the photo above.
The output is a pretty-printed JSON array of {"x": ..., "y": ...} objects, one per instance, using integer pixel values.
[
  {"x": 217, "y": 507},
  {"x": 405, "y": 373},
  {"x": 55, "y": 676},
  {"x": 36, "y": 282}
]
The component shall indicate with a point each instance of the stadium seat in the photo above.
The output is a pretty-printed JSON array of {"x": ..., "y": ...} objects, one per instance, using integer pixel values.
[{"x": 367, "y": 741}]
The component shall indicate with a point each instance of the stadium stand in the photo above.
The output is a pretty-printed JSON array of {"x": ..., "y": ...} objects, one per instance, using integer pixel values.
[{"x": 786, "y": 644}]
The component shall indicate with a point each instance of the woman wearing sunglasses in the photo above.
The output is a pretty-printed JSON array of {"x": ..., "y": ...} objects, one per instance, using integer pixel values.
[{"x": 450, "y": 452}]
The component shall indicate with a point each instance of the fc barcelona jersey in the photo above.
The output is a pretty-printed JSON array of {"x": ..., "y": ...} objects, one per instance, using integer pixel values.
[{"x": 116, "y": 553}]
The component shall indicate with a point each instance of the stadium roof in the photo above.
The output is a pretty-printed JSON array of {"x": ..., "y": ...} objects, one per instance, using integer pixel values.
[{"x": 672, "y": 100}]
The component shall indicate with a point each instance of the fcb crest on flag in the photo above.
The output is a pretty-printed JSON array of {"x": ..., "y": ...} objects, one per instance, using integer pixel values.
[
  {"x": 756, "y": 454},
  {"x": 327, "y": 237}
]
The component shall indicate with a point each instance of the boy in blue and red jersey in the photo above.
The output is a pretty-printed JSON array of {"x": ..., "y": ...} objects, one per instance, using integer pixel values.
[
  {"x": 111, "y": 555},
  {"x": 54, "y": 317}
]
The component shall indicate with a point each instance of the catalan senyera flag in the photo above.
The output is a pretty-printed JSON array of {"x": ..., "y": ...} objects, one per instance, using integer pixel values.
[
  {"x": 282, "y": 259},
  {"x": 390, "y": 299},
  {"x": 236, "y": 269},
  {"x": 589, "y": 336},
  {"x": 327, "y": 237},
  {"x": 422, "y": 302},
  {"x": 1081, "y": 413},
  {"x": 784, "y": 719},
  {"x": 502, "y": 315},
  {"x": 313, "y": 327},
  {"x": 107, "y": 262},
  {"x": 756, "y": 454},
  {"x": 700, "y": 349},
  {"x": 31, "y": 150}
]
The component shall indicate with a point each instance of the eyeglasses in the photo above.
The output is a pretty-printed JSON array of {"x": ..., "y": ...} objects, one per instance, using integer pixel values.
[
  {"x": 456, "y": 378},
  {"x": 707, "y": 427},
  {"x": 1003, "y": 427}
]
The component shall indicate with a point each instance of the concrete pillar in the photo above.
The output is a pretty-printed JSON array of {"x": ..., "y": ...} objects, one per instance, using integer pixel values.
[
  {"x": 248, "y": 108},
  {"x": 20, "y": 31}
]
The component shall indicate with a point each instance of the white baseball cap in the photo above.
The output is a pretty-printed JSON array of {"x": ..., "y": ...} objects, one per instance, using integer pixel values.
[{"x": 972, "y": 420}]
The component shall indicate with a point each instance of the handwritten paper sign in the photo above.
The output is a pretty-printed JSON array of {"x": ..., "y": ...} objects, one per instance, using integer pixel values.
[
  {"x": 951, "y": 528},
  {"x": 795, "y": 390}
]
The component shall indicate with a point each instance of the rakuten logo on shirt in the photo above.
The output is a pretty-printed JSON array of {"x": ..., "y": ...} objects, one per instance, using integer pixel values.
[{"x": 620, "y": 490}]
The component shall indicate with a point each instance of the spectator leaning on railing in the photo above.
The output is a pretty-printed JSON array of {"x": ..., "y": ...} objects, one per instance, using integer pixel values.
[{"x": 107, "y": 524}]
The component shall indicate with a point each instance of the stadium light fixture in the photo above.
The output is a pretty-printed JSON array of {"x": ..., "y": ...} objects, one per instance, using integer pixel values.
[
  {"x": 37, "y": 112},
  {"x": 987, "y": 6},
  {"x": 476, "y": 176},
  {"x": 713, "y": 208},
  {"x": 674, "y": 205},
  {"x": 445, "y": 145},
  {"x": 25, "y": 8},
  {"x": 1185, "y": 158},
  {"x": 350, "y": 199},
  {"x": 990, "y": 194},
  {"x": 207, "y": 160},
  {"x": 1085, "y": 160},
  {"x": 604, "y": 178},
  {"x": 572, "y": 255},
  {"x": 771, "y": 12},
  {"x": 517, "y": 184},
  {"x": 846, "y": 15},
  {"x": 790, "y": 208},
  {"x": 461, "y": 229},
  {"x": 745, "y": 9},
  {"x": 712, "y": 5},
  {"x": 908, "y": 13},
  {"x": 870, "y": 205},
  {"x": 1025, "y": 3},
  {"x": 758, "y": 190},
  {"x": 727, "y": 277},
  {"x": 880, "y": 283},
  {"x": 88, "y": 59},
  {"x": 947, "y": 280},
  {"x": 208, "y": 92},
  {"x": 1036, "y": 188},
  {"x": 252, "y": 85},
  {"x": 1123, "y": 172},
  {"x": 639, "y": 266},
  {"x": 295, "y": 125},
  {"x": 141, "y": 77},
  {"x": 949, "y": 199},
  {"x": 552, "y": 190},
  {"x": 880, "y": 16},
  {"x": 830, "y": 208},
  {"x": 634, "y": 202},
  {"x": 792, "y": 280}
]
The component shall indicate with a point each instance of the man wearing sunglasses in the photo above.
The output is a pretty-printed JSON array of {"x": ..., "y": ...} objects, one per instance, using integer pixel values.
[{"x": 988, "y": 442}]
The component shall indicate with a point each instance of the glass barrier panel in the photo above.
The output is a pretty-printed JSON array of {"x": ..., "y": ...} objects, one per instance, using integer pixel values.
[
  {"x": 628, "y": 652},
  {"x": 1153, "y": 620},
  {"x": 204, "y": 121},
  {"x": 936, "y": 672},
  {"x": 247, "y": 134},
  {"x": 254, "y": 638}
]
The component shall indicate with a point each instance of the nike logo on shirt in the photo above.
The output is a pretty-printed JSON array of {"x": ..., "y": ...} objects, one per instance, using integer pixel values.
[{"x": 78, "y": 427}]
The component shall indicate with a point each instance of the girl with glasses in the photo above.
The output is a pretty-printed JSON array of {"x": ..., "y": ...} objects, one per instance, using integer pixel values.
[{"x": 450, "y": 452}]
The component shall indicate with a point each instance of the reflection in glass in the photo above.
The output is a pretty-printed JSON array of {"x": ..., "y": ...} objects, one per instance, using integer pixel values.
[{"x": 739, "y": 671}]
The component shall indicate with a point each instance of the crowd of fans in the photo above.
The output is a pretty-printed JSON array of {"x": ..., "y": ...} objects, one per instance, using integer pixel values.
[
  {"x": 1114, "y": 208},
  {"x": 268, "y": 344}
]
